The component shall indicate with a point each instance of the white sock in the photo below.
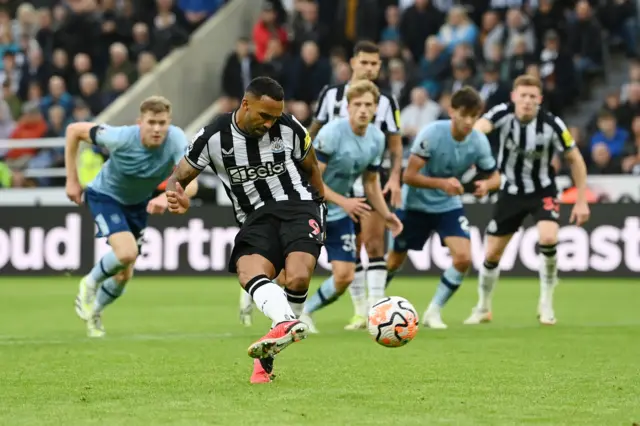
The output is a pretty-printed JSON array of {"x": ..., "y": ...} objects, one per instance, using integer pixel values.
[
  {"x": 358, "y": 291},
  {"x": 489, "y": 274},
  {"x": 270, "y": 299},
  {"x": 548, "y": 272},
  {"x": 376, "y": 279},
  {"x": 296, "y": 299}
]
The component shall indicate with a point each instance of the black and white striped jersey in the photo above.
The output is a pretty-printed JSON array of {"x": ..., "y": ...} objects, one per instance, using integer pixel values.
[
  {"x": 254, "y": 171},
  {"x": 526, "y": 149},
  {"x": 332, "y": 103}
]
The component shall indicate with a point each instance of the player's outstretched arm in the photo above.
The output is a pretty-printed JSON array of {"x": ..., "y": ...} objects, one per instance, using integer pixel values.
[
  {"x": 75, "y": 133},
  {"x": 483, "y": 125},
  {"x": 413, "y": 177},
  {"x": 181, "y": 186},
  {"x": 371, "y": 183}
]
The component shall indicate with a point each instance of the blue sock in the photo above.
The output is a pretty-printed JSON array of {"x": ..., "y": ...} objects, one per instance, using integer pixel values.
[
  {"x": 390, "y": 274},
  {"x": 450, "y": 281},
  {"x": 107, "y": 267},
  {"x": 108, "y": 292},
  {"x": 325, "y": 296}
]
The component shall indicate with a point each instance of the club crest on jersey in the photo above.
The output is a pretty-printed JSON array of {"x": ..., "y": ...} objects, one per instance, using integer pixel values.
[{"x": 277, "y": 145}]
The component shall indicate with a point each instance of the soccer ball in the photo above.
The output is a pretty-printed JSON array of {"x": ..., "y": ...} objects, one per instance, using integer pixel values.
[{"x": 393, "y": 322}]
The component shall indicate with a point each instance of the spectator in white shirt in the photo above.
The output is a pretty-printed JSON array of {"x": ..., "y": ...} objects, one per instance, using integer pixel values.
[{"x": 420, "y": 112}]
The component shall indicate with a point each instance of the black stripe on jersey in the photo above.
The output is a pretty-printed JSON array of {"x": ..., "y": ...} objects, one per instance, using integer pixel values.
[
  {"x": 196, "y": 148},
  {"x": 229, "y": 161},
  {"x": 338, "y": 101},
  {"x": 535, "y": 170},
  {"x": 299, "y": 131},
  {"x": 521, "y": 141},
  {"x": 255, "y": 160},
  {"x": 281, "y": 157}
]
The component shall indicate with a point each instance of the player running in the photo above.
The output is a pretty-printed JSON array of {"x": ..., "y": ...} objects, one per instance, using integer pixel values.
[
  {"x": 268, "y": 167},
  {"x": 441, "y": 153},
  {"x": 529, "y": 136},
  {"x": 348, "y": 148},
  {"x": 141, "y": 157}
]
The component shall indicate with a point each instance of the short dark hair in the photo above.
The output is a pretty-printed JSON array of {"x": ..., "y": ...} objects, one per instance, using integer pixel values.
[
  {"x": 365, "y": 46},
  {"x": 265, "y": 86},
  {"x": 467, "y": 99},
  {"x": 605, "y": 114}
]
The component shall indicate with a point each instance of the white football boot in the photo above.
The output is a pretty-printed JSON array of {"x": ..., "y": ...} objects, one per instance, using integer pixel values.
[
  {"x": 433, "y": 319},
  {"x": 246, "y": 308},
  {"x": 85, "y": 298}
]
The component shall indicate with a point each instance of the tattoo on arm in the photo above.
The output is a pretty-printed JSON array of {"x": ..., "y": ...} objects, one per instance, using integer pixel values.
[{"x": 184, "y": 173}]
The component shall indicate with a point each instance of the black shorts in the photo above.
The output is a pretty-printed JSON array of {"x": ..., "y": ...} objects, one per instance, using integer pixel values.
[
  {"x": 511, "y": 210},
  {"x": 384, "y": 178},
  {"x": 277, "y": 229}
]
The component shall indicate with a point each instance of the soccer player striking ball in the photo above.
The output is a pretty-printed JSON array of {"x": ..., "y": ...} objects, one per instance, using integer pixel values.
[
  {"x": 268, "y": 167},
  {"x": 441, "y": 153},
  {"x": 348, "y": 148},
  {"x": 529, "y": 135},
  {"x": 141, "y": 157}
]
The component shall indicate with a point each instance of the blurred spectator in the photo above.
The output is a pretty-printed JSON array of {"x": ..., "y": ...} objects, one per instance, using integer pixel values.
[
  {"x": 118, "y": 64},
  {"x": 11, "y": 178},
  {"x": 25, "y": 24},
  {"x": 146, "y": 63},
  {"x": 7, "y": 122},
  {"x": 520, "y": 58},
  {"x": 341, "y": 73},
  {"x": 492, "y": 90},
  {"x": 12, "y": 100},
  {"x": 398, "y": 82},
  {"x": 417, "y": 23},
  {"x": 81, "y": 66},
  {"x": 170, "y": 29},
  {"x": 309, "y": 74},
  {"x": 631, "y": 162},
  {"x": 557, "y": 67},
  {"x": 141, "y": 40},
  {"x": 265, "y": 29},
  {"x": 57, "y": 122},
  {"x": 391, "y": 32},
  {"x": 356, "y": 21},
  {"x": 634, "y": 77},
  {"x": 34, "y": 69},
  {"x": 458, "y": 29},
  {"x": 463, "y": 75},
  {"x": 276, "y": 62},
  {"x": 608, "y": 144},
  {"x": 10, "y": 72},
  {"x": 420, "y": 112},
  {"x": 585, "y": 40},
  {"x": 89, "y": 93},
  {"x": 307, "y": 27},
  {"x": 518, "y": 30},
  {"x": 549, "y": 16},
  {"x": 239, "y": 69},
  {"x": 60, "y": 66},
  {"x": 631, "y": 107},
  {"x": 30, "y": 126},
  {"x": 119, "y": 84},
  {"x": 197, "y": 11},
  {"x": 492, "y": 33},
  {"x": 45, "y": 34},
  {"x": 58, "y": 95},
  {"x": 434, "y": 67},
  {"x": 81, "y": 111}
]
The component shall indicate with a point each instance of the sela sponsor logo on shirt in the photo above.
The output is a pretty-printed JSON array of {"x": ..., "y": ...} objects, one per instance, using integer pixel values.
[{"x": 242, "y": 174}]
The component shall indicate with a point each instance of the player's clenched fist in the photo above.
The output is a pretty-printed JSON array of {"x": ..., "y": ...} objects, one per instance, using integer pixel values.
[
  {"x": 74, "y": 191},
  {"x": 178, "y": 200}
]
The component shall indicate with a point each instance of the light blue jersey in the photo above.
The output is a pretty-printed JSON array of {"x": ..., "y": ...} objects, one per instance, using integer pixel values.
[
  {"x": 133, "y": 172},
  {"x": 446, "y": 158},
  {"x": 347, "y": 156}
]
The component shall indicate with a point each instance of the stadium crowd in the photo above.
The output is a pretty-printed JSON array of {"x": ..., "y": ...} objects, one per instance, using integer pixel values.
[
  {"x": 66, "y": 61},
  {"x": 430, "y": 48}
]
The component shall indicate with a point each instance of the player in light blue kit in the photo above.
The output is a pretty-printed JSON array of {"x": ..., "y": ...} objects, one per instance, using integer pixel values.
[
  {"x": 441, "y": 153},
  {"x": 119, "y": 198},
  {"x": 348, "y": 148}
]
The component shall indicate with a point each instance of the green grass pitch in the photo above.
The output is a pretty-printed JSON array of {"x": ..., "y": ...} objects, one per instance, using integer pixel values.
[{"x": 175, "y": 354}]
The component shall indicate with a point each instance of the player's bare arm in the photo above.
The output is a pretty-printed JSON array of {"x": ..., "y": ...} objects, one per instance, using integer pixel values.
[
  {"x": 393, "y": 185},
  {"x": 315, "y": 128},
  {"x": 483, "y": 125},
  {"x": 180, "y": 188},
  {"x": 371, "y": 183},
  {"x": 413, "y": 177},
  {"x": 580, "y": 213},
  {"x": 75, "y": 133},
  {"x": 310, "y": 167},
  {"x": 354, "y": 207}
]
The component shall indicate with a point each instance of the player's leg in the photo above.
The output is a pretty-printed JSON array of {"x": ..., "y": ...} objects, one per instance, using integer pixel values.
[
  {"x": 413, "y": 234},
  {"x": 340, "y": 249},
  {"x": 246, "y": 302},
  {"x": 110, "y": 290},
  {"x": 509, "y": 213},
  {"x": 358, "y": 287},
  {"x": 373, "y": 235},
  {"x": 453, "y": 228},
  {"x": 547, "y": 215}
]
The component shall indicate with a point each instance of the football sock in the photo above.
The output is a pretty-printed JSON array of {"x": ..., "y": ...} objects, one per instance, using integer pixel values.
[
  {"x": 296, "y": 299},
  {"x": 376, "y": 279},
  {"x": 326, "y": 295},
  {"x": 358, "y": 292},
  {"x": 107, "y": 267},
  {"x": 390, "y": 274},
  {"x": 548, "y": 272},
  {"x": 489, "y": 273},
  {"x": 270, "y": 299},
  {"x": 450, "y": 282},
  {"x": 108, "y": 292}
]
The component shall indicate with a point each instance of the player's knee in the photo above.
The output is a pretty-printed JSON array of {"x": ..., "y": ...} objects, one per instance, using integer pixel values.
[
  {"x": 297, "y": 279},
  {"x": 124, "y": 276},
  {"x": 342, "y": 279},
  {"x": 126, "y": 255},
  {"x": 462, "y": 261},
  {"x": 548, "y": 240},
  {"x": 395, "y": 260},
  {"x": 374, "y": 247}
]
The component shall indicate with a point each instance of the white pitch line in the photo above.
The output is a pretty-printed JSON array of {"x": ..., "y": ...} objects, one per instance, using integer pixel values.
[{"x": 6, "y": 340}]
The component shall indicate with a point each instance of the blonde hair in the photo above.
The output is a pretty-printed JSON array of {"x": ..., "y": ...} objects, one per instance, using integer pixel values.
[
  {"x": 156, "y": 105},
  {"x": 360, "y": 88},
  {"x": 527, "y": 80}
]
